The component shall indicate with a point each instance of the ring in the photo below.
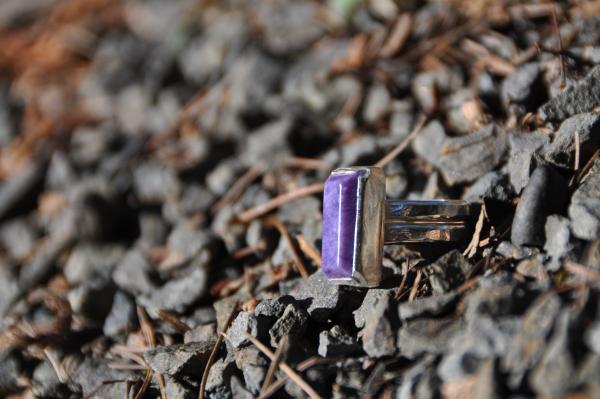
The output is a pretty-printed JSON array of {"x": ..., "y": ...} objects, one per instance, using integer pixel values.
[{"x": 358, "y": 221}]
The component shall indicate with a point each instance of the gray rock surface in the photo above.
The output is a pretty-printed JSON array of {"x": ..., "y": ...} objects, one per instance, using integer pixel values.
[
  {"x": 122, "y": 317},
  {"x": 582, "y": 96},
  {"x": 337, "y": 342},
  {"x": 448, "y": 272},
  {"x": 375, "y": 318},
  {"x": 461, "y": 159},
  {"x": 436, "y": 305},
  {"x": 292, "y": 324},
  {"x": 544, "y": 194},
  {"x": 246, "y": 322},
  {"x": 585, "y": 204},
  {"x": 562, "y": 150},
  {"x": 173, "y": 360},
  {"x": 522, "y": 150}
]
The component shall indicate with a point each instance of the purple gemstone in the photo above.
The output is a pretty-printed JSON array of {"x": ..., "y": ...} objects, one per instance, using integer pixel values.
[{"x": 339, "y": 223}]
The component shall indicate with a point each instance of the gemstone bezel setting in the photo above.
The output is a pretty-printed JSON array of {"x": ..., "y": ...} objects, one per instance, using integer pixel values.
[{"x": 367, "y": 240}]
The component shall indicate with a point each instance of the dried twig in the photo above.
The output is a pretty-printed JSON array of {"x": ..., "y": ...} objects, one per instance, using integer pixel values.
[
  {"x": 376, "y": 40},
  {"x": 129, "y": 353},
  {"x": 145, "y": 384},
  {"x": 126, "y": 366},
  {"x": 161, "y": 386},
  {"x": 24, "y": 333},
  {"x": 60, "y": 371},
  {"x": 498, "y": 65},
  {"x": 274, "y": 364},
  {"x": 275, "y": 222},
  {"x": 285, "y": 367},
  {"x": 404, "y": 143},
  {"x": 348, "y": 109},
  {"x": 467, "y": 285},
  {"x": 307, "y": 163},
  {"x": 577, "y": 150},
  {"x": 237, "y": 189},
  {"x": 472, "y": 247},
  {"x": 309, "y": 250},
  {"x": 561, "y": 61},
  {"x": 173, "y": 321},
  {"x": 249, "y": 250},
  {"x": 262, "y": 209},
  {"x": 213, "y": 352},
  {"x": 148, "y": 332},
  {"x": 581, "y": 270},
  {"x": 587, "y": 167},
  {"x": 226, "y": 286},
  {"x": 355, "y": 58},
  {"x": 146, "y": 327},
  {"x": 302, "y": 366},
  {"x": 400, "y": 33},
  {"x": 188, "y": 110},
  {"x": 450, "y": 36},
  {"x": 415, "y": 287},
  {"x": 400, "y": 288}
]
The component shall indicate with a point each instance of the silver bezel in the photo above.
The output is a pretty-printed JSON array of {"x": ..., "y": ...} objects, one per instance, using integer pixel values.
[{"x": 368, "y": 228}]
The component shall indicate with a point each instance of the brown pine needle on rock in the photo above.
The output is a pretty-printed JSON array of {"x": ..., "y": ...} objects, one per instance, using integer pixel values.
[
  {"x": 400, "y": 33},
  {"x": 238, "y": 188},
  {"x": 415, "y": 287},
  {"x": 577, "y": 150},
  {"x": 262, "y": 209},
  {"x": 249, "y": 250},
  {"x": 56, "y": 364},
  {"x": 472, "y": 247},
  {"x": 302, "y": 366},
  {"x": 561, "y": 61},
  {"x": 213, "y": 352},
  {"x": 404, "y": 143},
  {"x": 172, "y": 320},
  {"x": 586, "y": 272},
  {"x": 400, "y": 289},
  {"x": 275, "y": 222},
  {"x": 307, "y": 163},
  {"x": 309, "y": 250},
  {"x": 145, "y": 384},
  {"x": 274, "y": 364},
  {"x": 148, "y": 332},
  {"x": 284, "y": 366},
  {"x": 584, "y": 171},
  {"x": 146, "y": 327}
]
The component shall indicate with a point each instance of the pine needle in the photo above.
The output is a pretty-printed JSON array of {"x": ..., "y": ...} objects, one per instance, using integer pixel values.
[{"x": 284, "y": 367}]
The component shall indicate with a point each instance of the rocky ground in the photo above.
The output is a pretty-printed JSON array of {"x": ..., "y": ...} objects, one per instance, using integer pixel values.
[{"x": 161, "y": 169}]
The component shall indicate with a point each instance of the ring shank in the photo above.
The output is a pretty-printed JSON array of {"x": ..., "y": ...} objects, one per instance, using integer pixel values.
[{"x": 427, "y": 221}]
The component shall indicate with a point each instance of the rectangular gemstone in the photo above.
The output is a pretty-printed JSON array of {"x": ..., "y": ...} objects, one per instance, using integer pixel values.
[{"x": 340, "y": 213}]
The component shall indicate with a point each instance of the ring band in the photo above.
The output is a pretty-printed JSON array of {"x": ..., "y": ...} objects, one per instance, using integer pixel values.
[
  {"x": 408, "y": 221},
  {"x": 358, "y": 221}
]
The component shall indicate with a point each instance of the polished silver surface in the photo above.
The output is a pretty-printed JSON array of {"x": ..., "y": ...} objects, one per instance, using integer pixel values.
[
  {"x": 429, "y": 210},
  {"x": 409, "y": 221},
  {"x": 400, "y": 233}
]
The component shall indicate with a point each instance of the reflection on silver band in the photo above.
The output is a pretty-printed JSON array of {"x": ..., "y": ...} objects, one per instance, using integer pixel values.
[{"x": 427, "y": 221}]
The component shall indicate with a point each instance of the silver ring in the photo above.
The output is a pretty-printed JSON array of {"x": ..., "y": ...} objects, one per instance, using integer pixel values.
[{"x": 358, "y": 221}]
